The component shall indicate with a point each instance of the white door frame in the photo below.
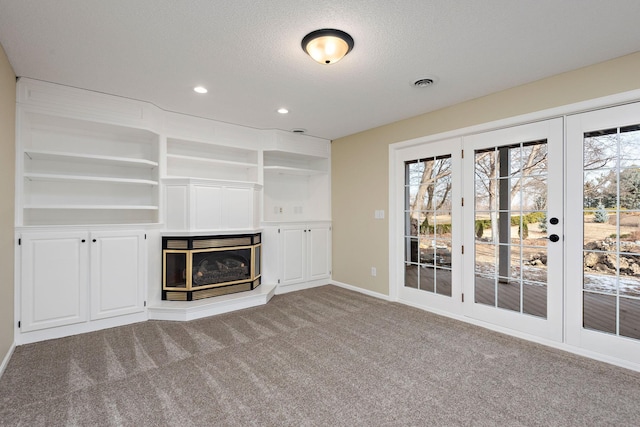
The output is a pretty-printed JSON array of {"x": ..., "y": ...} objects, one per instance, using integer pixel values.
[
  {"x": 396, "y": 219},
  {"x": 407, "y": 295},
  {"x": 577, "y": 125}
]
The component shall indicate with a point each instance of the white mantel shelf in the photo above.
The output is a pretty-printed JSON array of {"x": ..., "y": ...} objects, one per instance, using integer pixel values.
[{"x": 191, "y": 310}]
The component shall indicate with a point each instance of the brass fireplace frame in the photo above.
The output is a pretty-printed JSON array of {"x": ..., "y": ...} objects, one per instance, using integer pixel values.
[{"x": 190, "y": 246}]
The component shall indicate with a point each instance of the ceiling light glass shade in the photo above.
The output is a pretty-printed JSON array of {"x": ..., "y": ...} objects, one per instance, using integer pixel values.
[{"x": 327, "y": 46}]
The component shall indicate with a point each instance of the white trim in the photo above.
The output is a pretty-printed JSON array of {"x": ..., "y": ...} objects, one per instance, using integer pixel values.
[
  {"x": 538, "y": 116},
  {"x": 6, "y": 359},
  {"x": 565, "y": 110},
  {"x": 362, "y": 291},
  {"x": 183, "y": 311},
  {"x": 549, "y": 343},
  {"x": 285, "y": 289},
  {"x": 78, "y": 328},
  {"x": 393, "y": 223}
]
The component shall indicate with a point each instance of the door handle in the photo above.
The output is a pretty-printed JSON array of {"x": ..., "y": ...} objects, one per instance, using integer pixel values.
[{"x": 554, "y": 237}]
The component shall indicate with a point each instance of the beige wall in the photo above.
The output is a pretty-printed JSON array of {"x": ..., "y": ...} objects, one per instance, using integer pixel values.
[
  {"x": 360, "y": 162},
  {"x": 7, "y": 188}
]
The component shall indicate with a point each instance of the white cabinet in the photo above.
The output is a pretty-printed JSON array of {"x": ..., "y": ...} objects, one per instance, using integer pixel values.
[
  {"x": 54, "y": 277},
  {"x": 305, "y": 253},
  {"x": 208, "y": 205},
  {"x": 117, "y": 273},
  {"x": 79, "y": 276}
]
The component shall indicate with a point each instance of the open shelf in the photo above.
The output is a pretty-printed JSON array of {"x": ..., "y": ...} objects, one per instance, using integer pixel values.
[
  {"x": 228, "y": 163},
  {"x": 282, "y": 162},
  {"x": 54, "y": 177},
  {"x": 296, "y": 187},
  {"x": 195, "y": 159},
  {"x": 75, "y": 171},
  {"x": 288, "y": 170},
  {"x": 90, "y": 158},
  {"x": 92, "y": 207}
]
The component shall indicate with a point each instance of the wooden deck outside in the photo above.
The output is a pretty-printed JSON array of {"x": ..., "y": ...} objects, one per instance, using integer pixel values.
[{"x": 600, "y": 309}]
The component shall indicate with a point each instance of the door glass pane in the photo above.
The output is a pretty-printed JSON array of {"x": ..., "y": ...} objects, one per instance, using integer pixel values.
[
  {"x": 599, "y": 312},
  {"x": 427, "y": 279},
  {"x": 534, "y": 298},
  {"x": 443, "y": 281},
  {"x": 630, "y": 275},
  {"x": 428, "y": 224},
  {"x": 611, "y": 227},
  {"x": 511, "y": 227},
  {"x": 629, "y": 321},
  {"x": 411, "y": 275}
]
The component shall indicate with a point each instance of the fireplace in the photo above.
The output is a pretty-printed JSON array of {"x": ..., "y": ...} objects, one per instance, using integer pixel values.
[{"x": 200, "y": 267}]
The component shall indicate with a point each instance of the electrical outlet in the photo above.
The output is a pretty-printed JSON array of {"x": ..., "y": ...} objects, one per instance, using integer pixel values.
[{"x": 373, "y": 271}]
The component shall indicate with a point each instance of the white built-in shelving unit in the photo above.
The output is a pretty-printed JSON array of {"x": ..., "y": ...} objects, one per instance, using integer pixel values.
[
  {"x": 195, "y": 159},
  {"x": 297, "y": 185},
  {"x": 82, "y": 172},
  {"x": 100, "y": 180}
]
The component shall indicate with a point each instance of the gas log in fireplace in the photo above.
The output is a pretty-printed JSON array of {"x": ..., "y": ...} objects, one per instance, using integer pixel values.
[{"x": 207, "y": 266}]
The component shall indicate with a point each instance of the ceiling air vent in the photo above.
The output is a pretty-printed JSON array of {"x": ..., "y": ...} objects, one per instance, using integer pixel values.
[{"x": 424, "y": 83}]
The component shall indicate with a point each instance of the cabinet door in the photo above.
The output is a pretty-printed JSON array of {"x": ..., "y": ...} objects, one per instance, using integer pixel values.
[
  {"x": 239, "y": 207},
  {"x": 319, "y": 252},
  {"x": 118, "y": 263},
  {"x": 293, "y": 254},
  {"x": 54, "y": 277},
  {"x": 207, "y": 207}
]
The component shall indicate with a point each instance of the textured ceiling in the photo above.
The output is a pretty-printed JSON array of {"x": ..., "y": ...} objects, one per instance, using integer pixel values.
[{"x": 248, "y": 54}]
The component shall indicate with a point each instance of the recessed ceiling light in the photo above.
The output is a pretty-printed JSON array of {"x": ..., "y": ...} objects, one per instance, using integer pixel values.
[
  {"x": 200, "y": 89},
  {"x": 283, "y": 110}
]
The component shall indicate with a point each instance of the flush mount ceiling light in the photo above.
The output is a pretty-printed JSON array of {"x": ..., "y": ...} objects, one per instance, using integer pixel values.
[
  {"x": 327, "y": 46},
  {"x": 200, "y": 89},
  {"x": 283, "y": 110}
]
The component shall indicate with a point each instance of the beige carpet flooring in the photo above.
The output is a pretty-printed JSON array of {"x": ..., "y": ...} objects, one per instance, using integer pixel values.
[{"x": 319, "y": 357}]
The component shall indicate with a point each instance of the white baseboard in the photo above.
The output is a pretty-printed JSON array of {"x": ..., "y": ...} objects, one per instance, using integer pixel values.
[
  {"x": 360, "y": 290},
  {"x": 557, "y": 345},
  {"x": 79, "y": 328},
  {"x": 285, "y": 289},
  {"x": 6, "y": 359},
  {"x": 532, "y": 338}
]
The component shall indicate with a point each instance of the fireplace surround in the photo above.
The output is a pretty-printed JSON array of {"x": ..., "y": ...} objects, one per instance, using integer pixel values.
[{"x": 197, "y": 267}]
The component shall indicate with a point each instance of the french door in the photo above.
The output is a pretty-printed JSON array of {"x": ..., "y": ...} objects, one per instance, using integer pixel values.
[
  {"x": 603, "y": 220},
  {"x": 431, "y": 239},
  {"x": 535, "y": 229},
  {"x": 513, "y": 227}
]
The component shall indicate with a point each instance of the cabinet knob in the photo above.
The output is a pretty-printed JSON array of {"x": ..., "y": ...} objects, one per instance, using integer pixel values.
[
  {"x": 94, "y": 240},
  {"x": 83, "y": 240}
]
